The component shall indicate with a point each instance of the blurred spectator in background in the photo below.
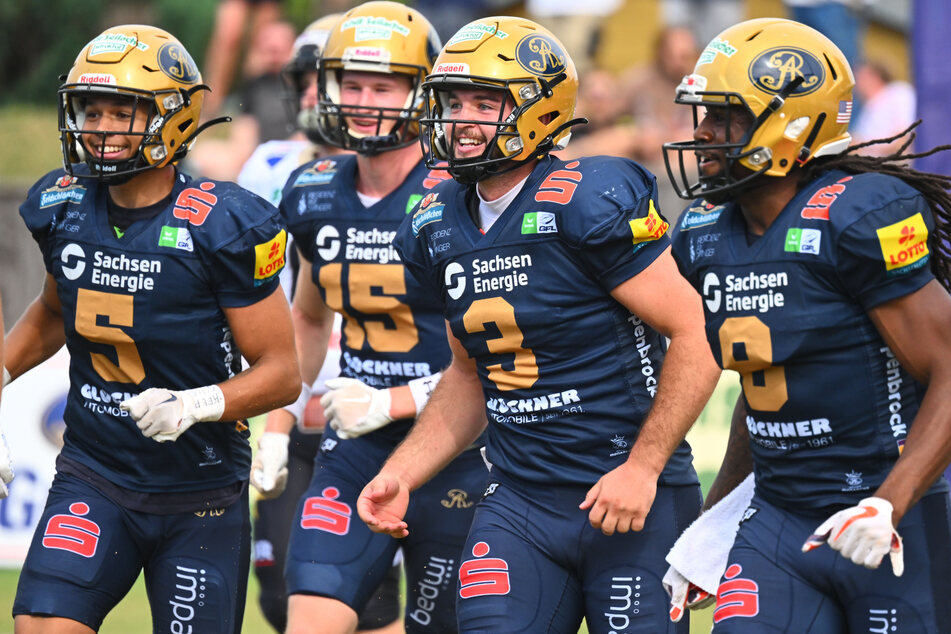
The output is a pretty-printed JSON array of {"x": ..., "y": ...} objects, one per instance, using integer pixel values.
[
  {"x": 649, "y": 92},
  {"x": 262, "y": 114},
  {"x": 633, "y": 116},
  {"x": 448, "y": 16},
  {"x": 577, "y": 23},
  {"x": 889, "y": 106},
  {"x": 610, "y": 129},
  {"x": 833, "y": 18},
  {"x": 261, "y": 95},
  {"x": 705, "y": 18},
  {"x": 224, "y": 46}
]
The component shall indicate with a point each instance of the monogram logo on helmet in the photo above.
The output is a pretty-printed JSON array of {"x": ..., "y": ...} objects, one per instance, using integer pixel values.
[
  {"x": 540, "y": 55},
  {"x": 775, "y": 68},
  {"x": 177, "y": 63}
]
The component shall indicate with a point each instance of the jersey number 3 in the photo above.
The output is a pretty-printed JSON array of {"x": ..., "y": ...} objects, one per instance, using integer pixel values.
[{"x": 495, "y": 310}]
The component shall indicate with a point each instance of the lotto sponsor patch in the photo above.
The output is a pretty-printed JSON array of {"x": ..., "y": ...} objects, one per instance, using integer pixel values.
[
  {"x": 269, "y": 257},
  {"x": 649, "y": 228},
  {"x": 905, "y": 243}
]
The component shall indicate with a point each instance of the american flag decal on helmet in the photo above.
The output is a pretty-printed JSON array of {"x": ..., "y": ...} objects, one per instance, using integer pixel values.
[{"x": 845, "y": 112}]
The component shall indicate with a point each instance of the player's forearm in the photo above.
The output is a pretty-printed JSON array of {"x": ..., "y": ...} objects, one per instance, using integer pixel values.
[
  {"x": 927, "y": 449},
  {"x": 450, "y": 422},
  {"x": 312, "y": 336},
  {"x": 271, "y": 382},
  {"x": 34, "y": 338},
  {"x": 737, "y": 461},
  {"x": 686, "y": 382}
]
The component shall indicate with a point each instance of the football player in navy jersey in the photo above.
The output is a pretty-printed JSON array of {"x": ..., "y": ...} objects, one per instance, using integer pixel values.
[
  {"x": 558, "y": 287},
  {"x": 343, "y": 212},
  {"x": 158, "y": 284},
  {"x": 817, "y": 268},
  {"x": 265, "y": 174}
]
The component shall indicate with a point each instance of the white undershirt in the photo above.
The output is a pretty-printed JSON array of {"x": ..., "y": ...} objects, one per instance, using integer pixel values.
[
  {"x": 490, "y": 210},
  {"x": 368, "y": 201}
]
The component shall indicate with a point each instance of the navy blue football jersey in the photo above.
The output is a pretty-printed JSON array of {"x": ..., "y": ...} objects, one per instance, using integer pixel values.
[
  {"x": 828, "y": 404},
  {"x": 145, "y": 310},
  {"x": 393, "y": 330},
  {"x": 567, "y": 372}
]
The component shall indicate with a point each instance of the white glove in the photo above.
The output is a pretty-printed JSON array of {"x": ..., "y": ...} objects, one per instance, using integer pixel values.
[
  {"x": 164, "y": 415},
  {"x": 863, "y": 534},
  {"x": 269, "y": 469},
  {"x": 684, "y": 595},
  {"x": 354, "y": 408},
  {"x": 6, "y": 467}
]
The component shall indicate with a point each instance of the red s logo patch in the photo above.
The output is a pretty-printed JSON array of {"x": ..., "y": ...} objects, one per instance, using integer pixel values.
[
  {"x": 75, "y": 534},
  {"x": 736, "y": 597},
  {"x": 326, "y": 514},
  {"x": 482, "y": 577}
]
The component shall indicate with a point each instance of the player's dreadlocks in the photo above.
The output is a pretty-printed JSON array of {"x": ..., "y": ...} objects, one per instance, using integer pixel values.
[{"x": 934, "y": 187}]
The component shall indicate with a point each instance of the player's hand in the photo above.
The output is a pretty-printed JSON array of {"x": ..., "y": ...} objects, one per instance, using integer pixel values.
[
  {"x": 382, "y": 505},
  {"x": 863, "y": 534},
  {"x": 164, "y": 415},
  {"x": 269, "y": 469},
  {"x": 6, "y": 467},
  {"x": 354, "y": 408},
  {"x": 684, "y": 595},
  {"x": 620, "y": 500}
]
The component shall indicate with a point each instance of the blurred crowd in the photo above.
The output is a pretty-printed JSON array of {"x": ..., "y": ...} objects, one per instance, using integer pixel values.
[{"x": 629, "y": 111}]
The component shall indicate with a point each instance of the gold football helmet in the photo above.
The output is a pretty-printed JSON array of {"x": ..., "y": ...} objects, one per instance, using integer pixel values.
[
  {"x": 794, "y": 83},
  {"x": 152, "y": 69},
  {"x": 535, "y": 75},
  {"x": 377, "y": 37},
  {"x": 304, "y": 58}
]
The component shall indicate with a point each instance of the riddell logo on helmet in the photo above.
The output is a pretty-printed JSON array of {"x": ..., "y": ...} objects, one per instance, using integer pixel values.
[
  {"x": 97, "y": 78},
  {"x": 457, "y": 69}
]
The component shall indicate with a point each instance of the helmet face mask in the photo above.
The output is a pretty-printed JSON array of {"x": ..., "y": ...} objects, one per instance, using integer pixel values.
[
  {"x": 444, "y": 131},
  {"x": 394, "y": 126},
  {"x": 529, "y": 67},
  {"x": 384, "y": 38},
  {"x": 152, "y": 72},
  {"x": 794, "y": 84},
  {"x": 736, "y": 120}
]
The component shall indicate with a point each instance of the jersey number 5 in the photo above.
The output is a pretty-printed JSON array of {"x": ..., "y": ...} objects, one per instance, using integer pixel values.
[
  {"x": 746, "y": 346},
  {"x": 117, "y": 311}
]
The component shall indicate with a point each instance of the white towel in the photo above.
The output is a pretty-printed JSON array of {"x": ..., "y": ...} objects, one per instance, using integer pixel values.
[{"x": 700, "y": 553}]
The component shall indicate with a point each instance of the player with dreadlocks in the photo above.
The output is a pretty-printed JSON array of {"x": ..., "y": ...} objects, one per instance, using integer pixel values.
[{"x": 818, "y": 270}]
